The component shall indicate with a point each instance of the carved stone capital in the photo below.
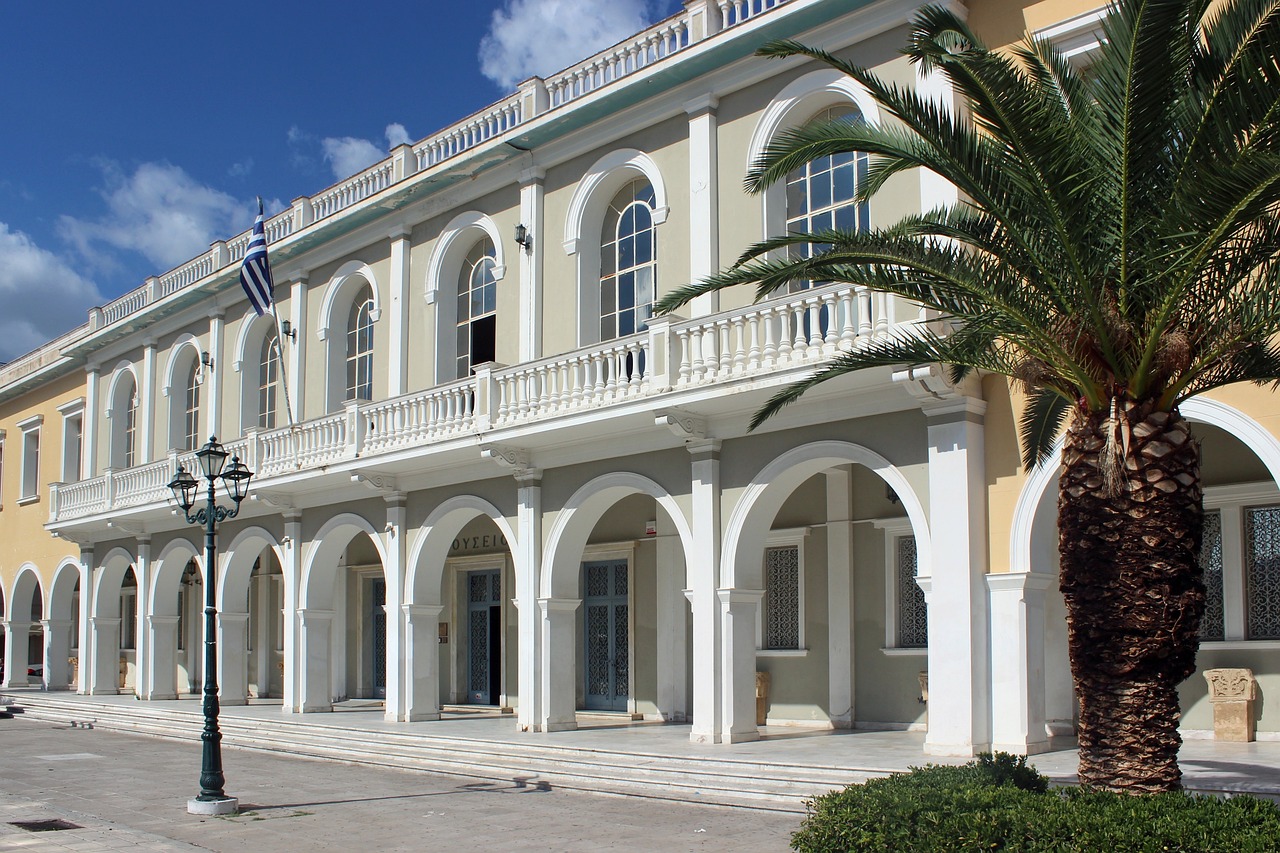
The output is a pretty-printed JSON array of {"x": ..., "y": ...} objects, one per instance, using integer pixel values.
[
  {"x": 937, "y": 394},
  {"x": 1231, "y": 685},
  {"x": 517, "y": 459},
  {"x": 374, "y": 481},
  {"x": 683, "y": 424}
]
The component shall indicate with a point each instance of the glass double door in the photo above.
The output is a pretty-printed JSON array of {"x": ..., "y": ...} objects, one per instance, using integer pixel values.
[{"x": 607, "y": 635}]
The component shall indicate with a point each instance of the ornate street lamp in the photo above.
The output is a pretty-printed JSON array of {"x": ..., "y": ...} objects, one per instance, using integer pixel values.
[{"x": 212, "y": 458}]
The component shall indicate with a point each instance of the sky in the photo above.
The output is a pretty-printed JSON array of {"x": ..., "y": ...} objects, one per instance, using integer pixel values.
[{"x": 132, "y": 135}]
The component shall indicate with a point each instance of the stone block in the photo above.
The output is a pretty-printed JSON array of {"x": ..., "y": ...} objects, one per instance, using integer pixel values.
[{"x": 1232, "y": 692}]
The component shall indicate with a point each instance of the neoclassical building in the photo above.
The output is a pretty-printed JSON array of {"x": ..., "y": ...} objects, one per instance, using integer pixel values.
[{"x": 486, "y": 475}]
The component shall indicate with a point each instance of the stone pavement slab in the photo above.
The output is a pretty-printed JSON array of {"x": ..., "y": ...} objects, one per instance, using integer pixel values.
[{"x": 130, "y": 792}]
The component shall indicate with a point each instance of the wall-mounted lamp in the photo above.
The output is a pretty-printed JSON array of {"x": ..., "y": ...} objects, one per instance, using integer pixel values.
[
  {"x": 890, "y": 495},
  {"x": 288, "y": 331},
  {"x": 523, "y": 238},
  {"x": 207, "y": 360}
]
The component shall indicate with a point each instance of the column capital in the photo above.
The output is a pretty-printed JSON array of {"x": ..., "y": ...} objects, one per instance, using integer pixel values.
[
  {"x": 941, "y": 399},
  {"x": 559, "y": 605},
  {"x": 416, "y": 611},
  {"x": 704, "y": 104},
  {"x": 161, "y": 621}
]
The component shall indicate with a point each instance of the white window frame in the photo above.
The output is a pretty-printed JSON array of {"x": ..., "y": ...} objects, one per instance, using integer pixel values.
[
  {"x": 893, "y": 530},
  {"x": 72, "y": 462},
  {"x": 784, "y": 538},
  {"x": 29, "y": 473},
  {"x": 1231, "y": 502}
]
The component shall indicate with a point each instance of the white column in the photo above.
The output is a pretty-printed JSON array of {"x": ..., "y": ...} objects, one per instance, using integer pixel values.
[
  {"x": 314, "y": 630},
  {"x": 298, "y": 346},
  {"x": 738, "y": 610},
  {"x": 1017, "y": 662},
  {"x": 233, "y": 687},
  {"x": 291, "y": 580},
  {"x": 840, "y": 641},
  {"x": 104, "y": 656},
  {"x": 83, "y": 643},
  {"x": 704, "y": 578},
  {"x": 422, "y": 653},
  {"x": 398, "y": 316},
  {"x": 144, "y": 659},
  {"x": 16, "y": 635},
  {"x": 672, "y": 627},
  {"x": 264, "y": 641},
  {"x": 89, "y": 438},
  {"x": 959, "y": 692},
  {"x": 162, "y": 640},
  {"x": 527, "y": 555},
  {"x": 530, "y": 268},
  {"x": 212, "y": 385},
  {"x": 395, "y": 546},
  {"x": 559, "y": 663},
  {"x": 57, "y": 650},
  {"x": 704, "y": 206},
  {"x": 147, "y": 406}
]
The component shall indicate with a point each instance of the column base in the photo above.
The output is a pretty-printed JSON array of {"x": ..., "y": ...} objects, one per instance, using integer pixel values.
[
  {"x": 104, "y": 691},
  {"x": 422, "y": 716},
  {"x": 317, "y": 709},
  {"x": 955, "y": 750},
  {"x": 1029, "y": 748},
  {"x": 15, "y": 682},
  {"x": 703, "y": 737},
  {"x": 567, "y": 726},
  {"x": 237, "y": 701},
  {"x": 741, "y": 737},
  {"x": 157, "y": 697},
  {"x": 213, "y": 806}
]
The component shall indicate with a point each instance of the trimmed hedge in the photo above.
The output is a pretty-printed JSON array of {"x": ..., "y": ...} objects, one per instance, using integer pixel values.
[{"x": 998, "y": 802}]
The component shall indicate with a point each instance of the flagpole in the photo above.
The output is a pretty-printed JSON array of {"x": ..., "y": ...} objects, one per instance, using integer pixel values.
[{"x": 284, "y": 373}]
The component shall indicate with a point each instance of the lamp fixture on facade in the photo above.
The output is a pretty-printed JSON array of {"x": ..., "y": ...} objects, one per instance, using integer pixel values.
[
  {"x": 207, "y": 360},
  {"x": 523, "y": 238},
  {"x": 212, "y": 459},
  {"x": 288, "y": 331}
]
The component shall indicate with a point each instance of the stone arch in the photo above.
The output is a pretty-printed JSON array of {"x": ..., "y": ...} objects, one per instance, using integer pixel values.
[
  {"x": 798, "y": 101},
  {"x": 582, "y": 227},
  {"x": 459, "y": 237},
  {"x": 573, "y": 526},
  {"x": 321, "y": 563},
  {"x": 106, "y": 583},
  {"x": 748, "y": 527},
  {"x": 62, "y": 590},
  {"x": 430, "y": 548},
  {"x": 26, "y": 584},
  {"x": 339, "y": 296},
  {"x": 167, "y": 575},
  {"x": 241, "y": 554},
  {"x": 63, "y": 617}
]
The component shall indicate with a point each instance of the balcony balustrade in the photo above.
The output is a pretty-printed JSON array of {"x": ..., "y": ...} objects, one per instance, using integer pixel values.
[{"x": 796, "y": 331}]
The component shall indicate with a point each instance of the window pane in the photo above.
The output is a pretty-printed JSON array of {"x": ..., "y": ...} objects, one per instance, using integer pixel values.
[
  {"x": 1211, "y": 626},
  {"x": 1262, "y": 583},
  {"x": 913, "y": 622},
  {"x": 626, "y": 290},
  {"x": 782, "y": 598}
]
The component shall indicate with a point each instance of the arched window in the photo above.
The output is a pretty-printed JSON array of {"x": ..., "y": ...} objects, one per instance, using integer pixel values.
[
  {"x": 820, "y": 194},
  {"x": 477, "y": 308},
  {"x": 129, "y": 427},
  {"x": 268, "y": 381},
  {"x": 628, "y": 261},
  {"x": 360, "y": 347},
  {"x": 191, "y": 409}
]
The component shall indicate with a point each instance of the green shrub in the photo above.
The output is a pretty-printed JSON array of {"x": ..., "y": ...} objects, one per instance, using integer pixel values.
[{"x": 998, "y": 802}]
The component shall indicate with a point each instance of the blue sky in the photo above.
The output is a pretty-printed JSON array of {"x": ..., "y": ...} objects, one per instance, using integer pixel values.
[{"x": 134, "y": 134}]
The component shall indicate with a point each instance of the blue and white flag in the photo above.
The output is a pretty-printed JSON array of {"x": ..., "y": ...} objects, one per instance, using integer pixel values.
[{"x": 255, "y": 272}]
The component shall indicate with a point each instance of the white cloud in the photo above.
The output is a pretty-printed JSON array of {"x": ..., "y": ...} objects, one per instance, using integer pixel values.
[
  {"x": 41, "y": 294},
  {"x": 539, "y": 37},
  {"x": 348, "y": 155},
  {"x": 160, "y": 212}
]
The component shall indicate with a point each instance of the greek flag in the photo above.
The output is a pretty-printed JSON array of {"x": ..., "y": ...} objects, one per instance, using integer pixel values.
[{"x": 255, "y": 273}]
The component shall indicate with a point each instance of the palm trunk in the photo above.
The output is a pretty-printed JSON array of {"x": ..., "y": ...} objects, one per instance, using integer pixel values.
[{"x": 1130, "y": 514}]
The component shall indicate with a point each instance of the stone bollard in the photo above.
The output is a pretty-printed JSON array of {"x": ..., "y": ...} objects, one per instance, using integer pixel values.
[
  {"x": 762, "y": 697},
  {"x": 1232, "y": 691}
]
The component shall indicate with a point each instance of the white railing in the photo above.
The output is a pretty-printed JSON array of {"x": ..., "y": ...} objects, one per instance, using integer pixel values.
[
  {"x": 628, "y": 57},
  {"x": 122, "y": 307},
  {"x": 470, "y": 132},
  {"x": 801, "y": 328},
  {"x": 594, "y": 376},
  {"x": 187, "y": 274},
  {"x": 375, "y": 179},
  {"x": 29, "y": 362},
  {"x": 733, "y": 12},
  {"x": 418, "y": 418}
]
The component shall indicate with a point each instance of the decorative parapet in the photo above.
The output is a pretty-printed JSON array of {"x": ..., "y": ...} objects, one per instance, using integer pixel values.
[{"x": 1232, "y": 693}]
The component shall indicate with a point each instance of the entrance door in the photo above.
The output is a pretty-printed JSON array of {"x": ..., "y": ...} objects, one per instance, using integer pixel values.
[
  {"x": 484, "y": 636},
  {"x": 608, "y": 637},
  {"x": 378, "y": 621}
]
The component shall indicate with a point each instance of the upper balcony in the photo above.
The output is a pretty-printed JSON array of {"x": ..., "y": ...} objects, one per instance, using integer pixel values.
[{"x": 673, "y": 362}]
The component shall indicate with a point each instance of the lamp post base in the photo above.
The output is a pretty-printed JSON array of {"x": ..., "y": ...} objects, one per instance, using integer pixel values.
[{"x": 213, "y": 806}]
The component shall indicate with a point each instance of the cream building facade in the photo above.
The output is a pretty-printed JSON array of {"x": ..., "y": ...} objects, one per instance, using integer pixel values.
[{"x": 486, "y": 476}]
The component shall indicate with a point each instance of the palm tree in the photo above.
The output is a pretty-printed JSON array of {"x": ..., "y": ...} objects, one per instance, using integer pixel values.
[{"x": 1114, "y": 252}]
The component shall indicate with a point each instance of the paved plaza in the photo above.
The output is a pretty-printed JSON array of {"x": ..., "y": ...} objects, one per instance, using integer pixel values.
[{"x": 128, "y": 792}]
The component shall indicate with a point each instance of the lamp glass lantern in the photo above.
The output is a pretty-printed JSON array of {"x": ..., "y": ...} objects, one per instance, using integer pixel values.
[{"x": 211, "y": 458}]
